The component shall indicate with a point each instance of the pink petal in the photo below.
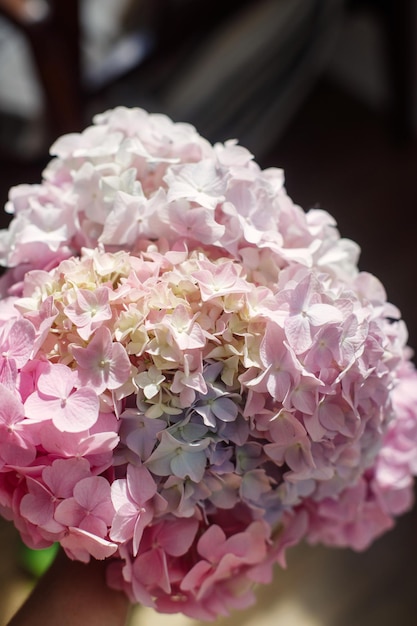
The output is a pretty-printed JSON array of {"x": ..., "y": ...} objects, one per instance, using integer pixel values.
[
  {"x": 37, "y": 506},
  {"x": 141, "y": 485},
  {"x": 41, "y": 409},
  {"x": 69, "y": 512},
  {"x": 57, "y": 381},
  {"x": 21, "y": 338},
  {"x": 195, "y": 577},
  {"x": 123, "y": 525},
  {"x": 8, "y": 373},
  {"x": 320, "y": 314},
  {"x": 120, "y": 367},
  {"x": 177, "y": 536},
  {"x": 151, "y": 569},
  {"x": 14, "y": 450},
  {"x": 100, "y": 443},
  {"x": 278, "y": 384},
  {"x": 210, "y": 543},
  {"x": 11, "y": 409},
  {"x": 94, "y": 525},
  {"x": 92, "y": 491},
  {"x": 80, "y": 412},
  {"x": 62, "y": 476},
  {"x": 80, "y": 544},
  {"x": 142, "y": 520},
  {"x": 297, "y": 330}
]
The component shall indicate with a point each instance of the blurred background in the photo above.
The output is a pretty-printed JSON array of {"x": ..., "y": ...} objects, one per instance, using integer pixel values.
[{"x": 325, "y": 89}]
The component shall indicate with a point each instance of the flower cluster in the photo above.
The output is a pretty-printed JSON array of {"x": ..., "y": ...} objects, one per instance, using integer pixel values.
[{"x": 194, "y": 375}]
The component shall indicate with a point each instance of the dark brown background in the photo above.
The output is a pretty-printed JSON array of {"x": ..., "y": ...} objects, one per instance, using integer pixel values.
[{"x": 347, "y": 158}]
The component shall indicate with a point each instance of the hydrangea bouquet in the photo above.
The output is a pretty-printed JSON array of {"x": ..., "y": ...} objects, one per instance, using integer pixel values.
[{"x": 194, "y": 375}]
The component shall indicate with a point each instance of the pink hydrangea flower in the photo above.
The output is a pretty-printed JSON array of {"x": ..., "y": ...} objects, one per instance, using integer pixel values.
[
  {"x": 71, "y": 409},
  {"x": 16, "y": 346},
  {"x": 194, "y": 374},
  {"x": 89, "y": 310},
  {"x": 103, "y": 364},
  {"x": 16, "y": 445}
]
